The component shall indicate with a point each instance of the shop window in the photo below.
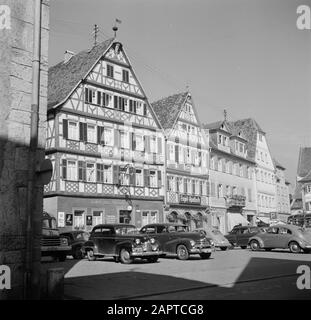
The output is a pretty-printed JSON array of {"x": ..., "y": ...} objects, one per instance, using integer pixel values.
[
  {"x": 125, "y": 216},
  {"x": 79, "y": 219}
]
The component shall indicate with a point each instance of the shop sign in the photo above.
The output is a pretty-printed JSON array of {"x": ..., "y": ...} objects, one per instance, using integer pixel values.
[{"x": 188, "y": 199}]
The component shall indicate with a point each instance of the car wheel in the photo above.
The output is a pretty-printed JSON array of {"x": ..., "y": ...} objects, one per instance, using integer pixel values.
[
  {"x": 153, "y": 259},
  {"x": 62, "y": 257},
  {"x": 182, "y": 252},
  {"x": 294, "y": 247},
  {"x": 205, "y": 255},
  {"x": 90, "y": 255},
  {"x": 243, "y": 247},
  {"x": 125, "y": 256},
  {"x": 254, "y": 244},
  {"x": 223, "y": 248},
  {"x": 77, "y": 254}
]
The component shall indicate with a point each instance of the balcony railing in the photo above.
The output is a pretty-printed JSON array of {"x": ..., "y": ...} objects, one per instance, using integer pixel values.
[{"x": 236, "y": 201}]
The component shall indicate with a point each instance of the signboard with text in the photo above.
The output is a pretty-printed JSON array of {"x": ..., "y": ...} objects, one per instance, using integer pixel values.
[{"x": 189, "y": 199}]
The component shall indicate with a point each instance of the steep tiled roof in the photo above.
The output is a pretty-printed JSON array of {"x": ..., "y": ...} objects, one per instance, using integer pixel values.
[
  {"x": 304, "y": 163},
  {"x": 212, "y": 126},
  {"x": 64, "y": 77},
  {"x": 249, "y": 128},
  {"x": 167, "y": 109}
]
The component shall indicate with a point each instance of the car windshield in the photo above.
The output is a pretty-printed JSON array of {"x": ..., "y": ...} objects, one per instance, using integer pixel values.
[
  {"x": 126, "y": 230},
  {"x": 82, "y": 236}
]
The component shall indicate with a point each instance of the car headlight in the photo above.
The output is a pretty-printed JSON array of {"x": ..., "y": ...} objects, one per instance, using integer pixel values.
[
  {"x": 137, "y": 241},
  {"x": 64, "y": 241},
  {"x": 152, "y": 241},
  {"x": 192, "y": 242}
]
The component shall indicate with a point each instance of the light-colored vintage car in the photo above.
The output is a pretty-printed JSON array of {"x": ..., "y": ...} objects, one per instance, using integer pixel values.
[
  {"x": 282, "y": 236},
  {"x": 219, "y": 240}
]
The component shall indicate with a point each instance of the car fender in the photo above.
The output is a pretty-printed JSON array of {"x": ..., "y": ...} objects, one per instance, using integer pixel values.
[
  {"x": 260, "y": 241},
  {"x": 124, "y": 244},
  {"x": 174, "y": 243},
  {"x": 296, "y": 239}
]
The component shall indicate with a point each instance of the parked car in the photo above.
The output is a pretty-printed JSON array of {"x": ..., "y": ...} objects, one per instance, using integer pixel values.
[
  {"x": 239, "y": 236},
  {"x": 52, "y": 244},
  {"x": 122, "y": 242},
  {"x": 219, "y": 240},
  {"x": 282, "y": 236},
  {"x": 76, "y": 239},
  {"x": 176, "y": 239}
]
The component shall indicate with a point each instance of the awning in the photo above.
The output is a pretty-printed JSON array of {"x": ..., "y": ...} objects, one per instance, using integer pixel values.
[{"x": 236, "y": 219}]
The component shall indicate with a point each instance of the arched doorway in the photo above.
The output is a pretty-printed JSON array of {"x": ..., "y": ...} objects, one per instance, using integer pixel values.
[
  {"x": 187, "y": 220},
  {"x": 198, "y": 220},
  {"x": 172, "y": 217}
]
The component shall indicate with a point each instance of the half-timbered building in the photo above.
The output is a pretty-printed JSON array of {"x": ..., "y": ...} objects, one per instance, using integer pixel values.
[
  {"x": 104, "y": 140},
  {"x": 186, "y": 190}
]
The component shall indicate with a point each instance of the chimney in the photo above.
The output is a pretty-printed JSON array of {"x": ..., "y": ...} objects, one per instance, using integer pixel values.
[{"x": 68, "y": 55}]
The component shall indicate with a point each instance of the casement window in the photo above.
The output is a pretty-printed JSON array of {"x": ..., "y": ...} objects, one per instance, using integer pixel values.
[
  {"x": 63, "y": 169},
  {"x": 106, "y": 100},
  {"x": 99, "y": 172},
  {"x": 148, "y": 217},
  {"x": 139, "y": 181},
  {"x": 73, "y": 133},
  {"x": 108, "y": 137},
  {"x": 185, "y": 186},
  {"x": 72, "y": 172},
  {"x": 91, "y": 133},
  {"x": 125, "y": 76},
  {"x": 170, "y": 183},
  {"x": 89, "y": 95},
  {"x": 220, "y": 193},
  {"x": 193, "y": 186},
  {"x": 219, "y": 165},
  {"x": 241, "y": 148},
  {"x": 145, "y": 110},
  {"x": 241, "y": 171},
  {"x": 122, "y": 139},
  {"x": 120, "y": 103},
  {"x": 110, "y": 71},
  {"x": 153, "y": 144},
  {"x": 107, "y": 174},
  {"x": 132, "y": 106},
  {"x": 212, "y": 164},
  {"x": 97, "y": 217},
  {"x": 139, "y": 108},
  {"x": 171, "y": 153},
  {"x": 124, "y": 176},
  {"x": 139, "y": 142},
  {"x": 153, "y": 179},
  {"x": 90, "y": 172},
  {"x": 79, "y": 219},
  {"x": 81, "y": 171},
  {"x": 201, "y": 188},
  {"x": 228, "y": 191}
]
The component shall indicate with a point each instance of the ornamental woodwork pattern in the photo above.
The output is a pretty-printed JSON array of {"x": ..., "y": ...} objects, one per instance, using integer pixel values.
[
  {"x": 90, "y": 188},
  {"x": 72, "y": 145},
  {"x": 139, "y": 191},
  {"x": 72, "y": 186},
  {"x": 154, "y": 192},
  {"x": 91, "y": 148},
  {"x": 107, "y": 189}
]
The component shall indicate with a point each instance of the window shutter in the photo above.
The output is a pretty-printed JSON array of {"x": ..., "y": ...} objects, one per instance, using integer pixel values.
[
  {"x": 86, "y": 95},
  {"x": 145, "y": 109},
  {"x": 65, "y": 129},
  {"x": 159, "y": 178},
  {"x": 90, "y": 96},
  {"x": 64, "y": 169},
  {"x": 99, "y": 96},
  {"x": 85, "y": 132},
  {"x": 133, "y": 142},
  {"x": 159, "y": 146},
  {"x": 81, "y": 131},
  {"x": 208, "y": 188},
  {"x": 115, "y": 98},
  {"x": 116, "y": 138},
  {"x": 115, "y": 174},
  {"x": 132, "y": 177},
  {"x": 81, "y": 174},
  {"x": 177, "y": 153},
  {"x": 147, "y": 143},
  {"x": 146, "y": 178},
  {"x": 213, "y": 189},
  {"x": 100, "y": 131}
]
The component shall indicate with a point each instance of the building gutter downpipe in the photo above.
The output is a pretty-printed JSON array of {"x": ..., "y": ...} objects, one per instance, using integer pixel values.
[{"x": 32, "y": 274}]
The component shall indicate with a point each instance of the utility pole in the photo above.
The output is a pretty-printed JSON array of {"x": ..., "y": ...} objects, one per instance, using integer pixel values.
[
  {"x": 95, "y": 33},
  {"x": 32, "y": 274}
]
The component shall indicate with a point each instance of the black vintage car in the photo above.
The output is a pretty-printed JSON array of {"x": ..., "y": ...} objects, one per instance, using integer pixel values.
[
  {"x": 76, "y": 239},
  {"x": 239, "y": 236},
  {"x": 176, "y": 239},
  {"x": 121, "y": 241}
]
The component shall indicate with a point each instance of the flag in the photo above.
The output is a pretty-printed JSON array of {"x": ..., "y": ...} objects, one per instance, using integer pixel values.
[{"x": 118, "y": 21}]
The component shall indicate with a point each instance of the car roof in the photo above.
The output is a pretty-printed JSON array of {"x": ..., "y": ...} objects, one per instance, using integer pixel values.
[
  {"x": 165, "y": 224},
  {"x": 113, "y": 225},
  {"x": 74, "y": 231}
]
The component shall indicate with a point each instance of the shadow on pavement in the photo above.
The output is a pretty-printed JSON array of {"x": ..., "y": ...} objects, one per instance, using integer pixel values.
[{"x": 262, "y": 278}]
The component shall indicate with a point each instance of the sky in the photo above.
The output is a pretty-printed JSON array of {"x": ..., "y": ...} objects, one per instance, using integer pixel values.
[{"x": 245, "y": 56}]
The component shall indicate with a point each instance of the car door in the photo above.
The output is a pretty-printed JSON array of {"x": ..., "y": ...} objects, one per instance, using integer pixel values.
[
  {"x": 243, "y": 236},
  {"x": 164, "y": 237},
  {"x": 282, "y": 238},
  {"x": 269, "y": 237},
  {"x": 232, "y": 236}
]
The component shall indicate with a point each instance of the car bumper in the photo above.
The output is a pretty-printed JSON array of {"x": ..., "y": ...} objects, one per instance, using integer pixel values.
[
  {"x": 201, "y": 250},
  {"x": 56, "y": 249},
  {"x": 146, "y": 254}
]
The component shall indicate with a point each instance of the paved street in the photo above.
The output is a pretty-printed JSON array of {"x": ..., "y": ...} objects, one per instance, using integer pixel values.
[{"x": 234, "y": 274}]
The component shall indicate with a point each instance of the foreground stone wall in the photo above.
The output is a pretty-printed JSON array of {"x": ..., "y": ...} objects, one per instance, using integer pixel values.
[{"x": 16, "y": 56}]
